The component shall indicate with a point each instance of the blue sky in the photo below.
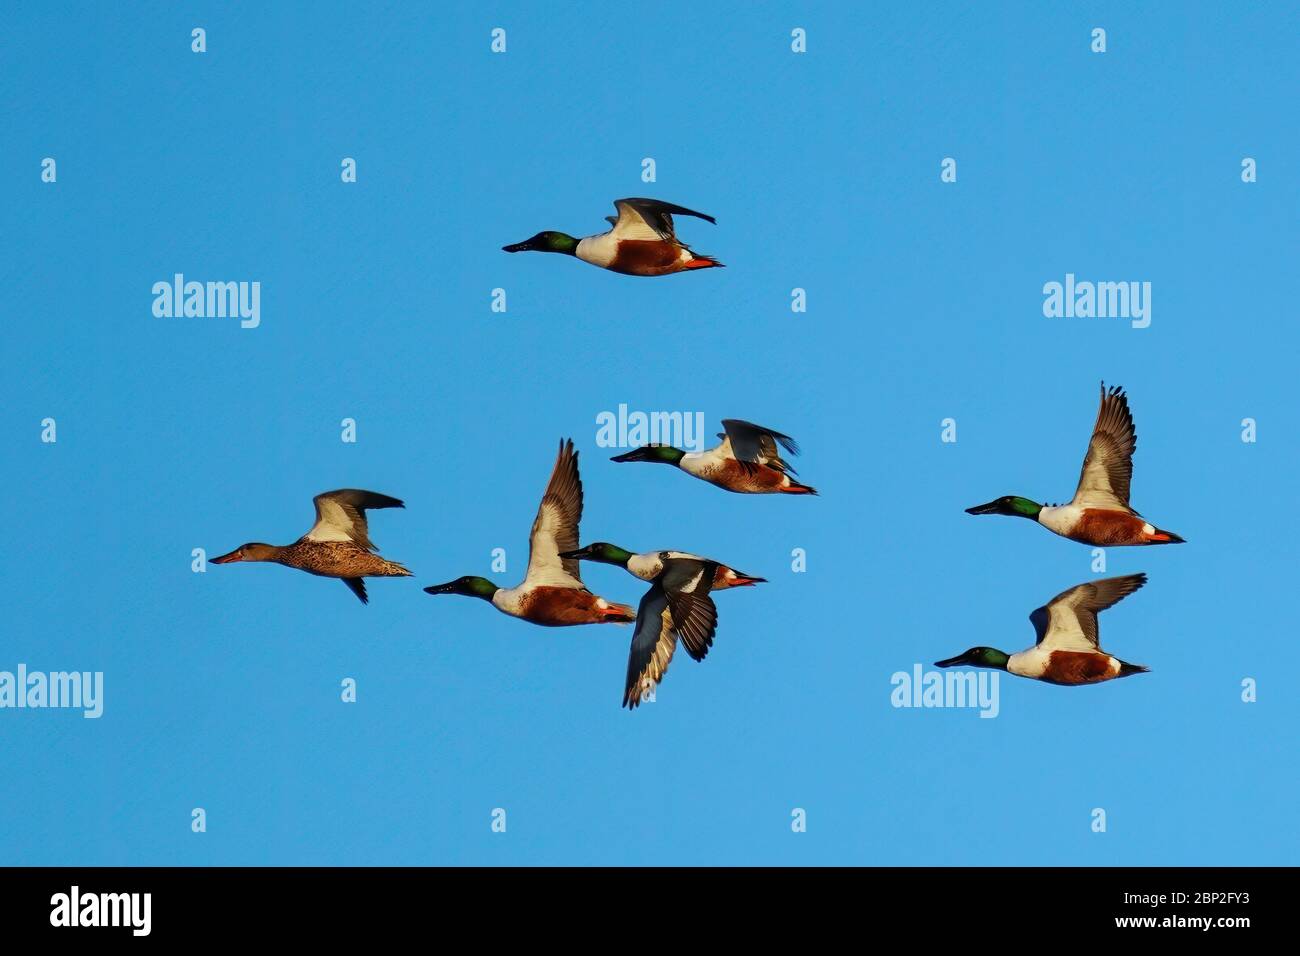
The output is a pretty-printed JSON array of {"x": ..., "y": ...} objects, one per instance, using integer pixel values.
[{"x": 924, "y": 302}]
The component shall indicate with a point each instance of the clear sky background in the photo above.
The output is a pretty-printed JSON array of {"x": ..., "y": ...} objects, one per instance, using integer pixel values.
[{"x": 924, "y": 302}]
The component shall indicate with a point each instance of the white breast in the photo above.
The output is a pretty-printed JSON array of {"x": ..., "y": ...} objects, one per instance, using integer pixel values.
[
  {"x": 1060, "y": 519},
  {"x": 645, "y": 566},
  {"x": 510, "y": 600},
  {"x": 1029, "y": 663},
  {"x": 598, "y": 250},
  {"x": 705, "y": 463}
]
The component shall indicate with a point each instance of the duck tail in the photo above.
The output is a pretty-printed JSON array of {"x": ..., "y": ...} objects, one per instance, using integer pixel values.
[
  {"x": 618, "y": 614},
  {"x": 702, "y": 262},
  {"x": 1166, "y": 537},
  {"x": 394, "y": 570},
  {"x": 1125, "y": 669},
  {"x": 797, "y": 489}
]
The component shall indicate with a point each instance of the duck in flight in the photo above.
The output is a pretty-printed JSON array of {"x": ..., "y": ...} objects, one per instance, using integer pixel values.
[
  {"x": 1099, "y": 513},
  {"x": 552, "y": 593},
  {"x": 640, "y": 242},
  {"x": 747, "y": 461},
  {"x": 337, "y": 546},
  {"x": 677, "y": 605},
  {"x": 1067, "y": 651}
]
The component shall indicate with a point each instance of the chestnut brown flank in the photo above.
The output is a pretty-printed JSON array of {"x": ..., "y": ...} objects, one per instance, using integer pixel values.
[
  {"x": 558, "y": 607},
  {"x": 734, "y": 475},
  {"x": 646, "y": 257},
  {"x": 1074, "y": 667},
  {"x": 1101, "y": 527}
]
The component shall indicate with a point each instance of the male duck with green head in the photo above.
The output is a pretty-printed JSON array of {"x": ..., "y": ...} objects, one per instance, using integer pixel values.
[
  {"x": 677, "y": 605},
  {"x": 1068, "y": 650},
  {"x": 747, "y": 462},
  {"x": 641, "y": 242},
  {"x": 552, "y": 593},
  {"x": 1099, "y": 513}
]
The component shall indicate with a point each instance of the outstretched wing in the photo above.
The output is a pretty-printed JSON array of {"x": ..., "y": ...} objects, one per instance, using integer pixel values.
[
  {"x": 753, "y": 444},
  {"x": 1068, "y": 622},
  {"x": 341, "y": 515},
  {"x": 649, "y": 218},
  {"x": 556, "y": 526},
  {"x": 653, "y": 643},
  {"x": 1108, "y": 466}
]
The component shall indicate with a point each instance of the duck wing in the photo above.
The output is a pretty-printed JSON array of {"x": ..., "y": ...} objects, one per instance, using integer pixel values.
[
  {"x": 1108, "y": 465},
  {"x": 358, "y": 587},
  {"x": 755, "y": 445},
  {"x": 653, "y": 644},
  {"x": 686, "y": 582},
  {"x": 1068, "y": 622},
  {"x": 555, "y": 528},
  {"x": 341, "y": 515},
  {"x": 650, "y": 219}
]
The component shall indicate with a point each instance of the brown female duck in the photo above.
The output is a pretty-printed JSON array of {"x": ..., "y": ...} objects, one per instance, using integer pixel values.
[{"x": 337, "y": 546}]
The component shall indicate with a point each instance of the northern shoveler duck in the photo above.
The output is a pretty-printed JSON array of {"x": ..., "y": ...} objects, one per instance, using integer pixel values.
[
  {"x": 641, "y": 242},
  {"x": 747, "y": 461},
  {"x": 1099, "y": 513},
  {"x": 552, "y": 593},
  {"x": 1067, "y": 651},
  {"x": 677, "y": 605},
  {"x": 337, "y": 546}
]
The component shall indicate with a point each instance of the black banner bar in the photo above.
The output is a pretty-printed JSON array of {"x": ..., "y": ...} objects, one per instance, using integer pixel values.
[{"x": 218, "y": 904}]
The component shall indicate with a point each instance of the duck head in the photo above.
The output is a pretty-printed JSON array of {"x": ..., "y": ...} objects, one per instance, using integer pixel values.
[
  {"x": 978, "y": 657},
  {"x": 664, "y": 454},
  {"x": 470, "y": 586},
  {"x": 548, "y": 241},
  {"x": 253, "y": 551},
  {"x": 602, "y": 552},
  {"x": 1008, "y": 505}
]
